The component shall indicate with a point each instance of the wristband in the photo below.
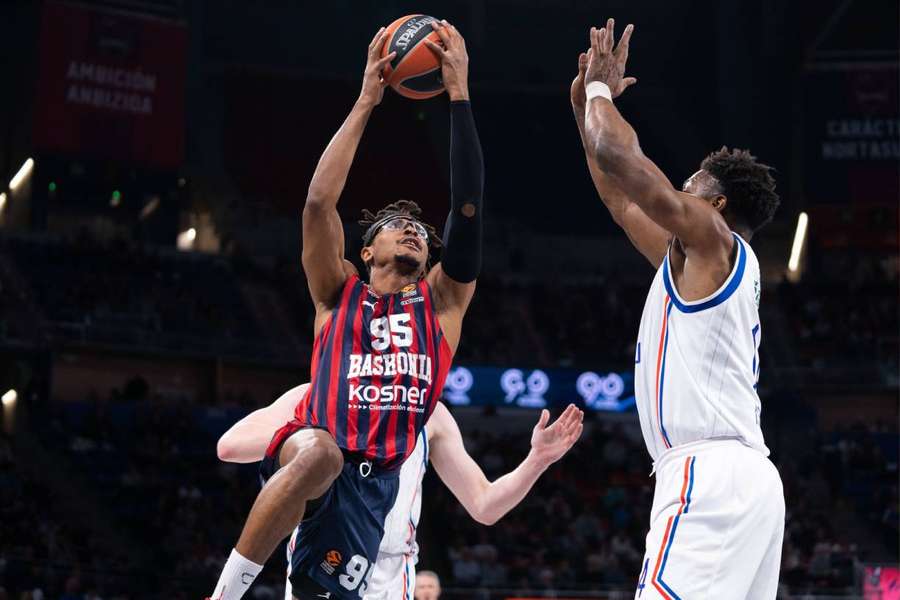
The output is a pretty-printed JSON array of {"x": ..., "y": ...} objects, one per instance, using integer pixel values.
[{"x": 597, "y": 89}]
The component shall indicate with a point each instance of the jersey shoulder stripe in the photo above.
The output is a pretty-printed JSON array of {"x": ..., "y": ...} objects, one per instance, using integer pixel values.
[{"x": 719, "y": 296}]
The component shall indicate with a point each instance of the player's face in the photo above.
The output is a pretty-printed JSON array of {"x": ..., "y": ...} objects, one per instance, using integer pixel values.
[
  {"x": 427, "y": 588},
  {"x": 402, "y": 240},
  {"x": 703, "y": 185}
]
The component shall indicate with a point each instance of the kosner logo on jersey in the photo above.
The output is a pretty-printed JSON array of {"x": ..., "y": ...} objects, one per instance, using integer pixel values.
[{"x": 389, "y": 396}]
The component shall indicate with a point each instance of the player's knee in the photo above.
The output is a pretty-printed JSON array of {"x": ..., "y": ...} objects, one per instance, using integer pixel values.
[
  {"x": 317, "y": 461},
  {"x": 327, "y": 457}
]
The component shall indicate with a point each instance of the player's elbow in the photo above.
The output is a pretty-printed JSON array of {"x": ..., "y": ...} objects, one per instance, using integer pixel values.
[
  {"x": 316, "y": 204},
  {"x": 226, "y": 450},
  {"x": 486, "y": 519},
  {"x": 613, "y": 154},
  {"x": 482, "y": 515}
]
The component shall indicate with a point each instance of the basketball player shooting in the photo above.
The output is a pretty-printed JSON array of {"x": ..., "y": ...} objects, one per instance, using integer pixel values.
[
  {"x": 381, "y": 354},
  {"x": 717, "y": 520},
  {"x": 441, "y": 443}
]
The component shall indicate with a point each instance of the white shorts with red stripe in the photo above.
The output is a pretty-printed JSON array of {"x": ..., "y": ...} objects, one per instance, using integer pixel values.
[
  {"x": 394, "y": 578},
  {"x": 716, "y": 526}
]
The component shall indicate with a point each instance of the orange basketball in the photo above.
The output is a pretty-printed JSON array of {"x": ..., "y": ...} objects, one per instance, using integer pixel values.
[{"x": 415, "y": 72}]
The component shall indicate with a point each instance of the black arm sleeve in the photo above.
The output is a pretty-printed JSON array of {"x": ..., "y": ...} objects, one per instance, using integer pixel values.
[{"x": 461, "y": 257}]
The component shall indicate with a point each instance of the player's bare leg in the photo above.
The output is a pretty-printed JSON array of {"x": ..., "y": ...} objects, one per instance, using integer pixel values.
[{"x": 311, "y": 462}]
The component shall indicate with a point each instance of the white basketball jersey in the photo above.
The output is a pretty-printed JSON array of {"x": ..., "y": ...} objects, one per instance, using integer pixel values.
[
  {"x": 400, "y": 525},
  {"x": 697, "y": 363}
]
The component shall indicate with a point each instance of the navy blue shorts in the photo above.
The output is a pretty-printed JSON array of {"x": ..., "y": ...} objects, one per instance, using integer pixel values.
[{"x": 335, "y": 548}]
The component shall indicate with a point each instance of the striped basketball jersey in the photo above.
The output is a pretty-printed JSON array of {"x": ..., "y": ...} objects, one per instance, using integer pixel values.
[
  {"x": 378, "y": 368},
  {"x": 697, "y": 362},
  {"x": 401, "y": 523}
]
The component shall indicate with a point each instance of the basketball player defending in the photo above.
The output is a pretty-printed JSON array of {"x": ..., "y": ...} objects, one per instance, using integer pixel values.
[
  {"x": 394, "y": 575},
  {"x": 718, "y": 511},
  {"x": 381, "y": 354}
]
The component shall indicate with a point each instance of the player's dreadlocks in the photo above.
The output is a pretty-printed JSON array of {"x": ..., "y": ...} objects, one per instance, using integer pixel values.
[
  {"x": 400, "y": 208},
  {"x": 748, "y": 185}
]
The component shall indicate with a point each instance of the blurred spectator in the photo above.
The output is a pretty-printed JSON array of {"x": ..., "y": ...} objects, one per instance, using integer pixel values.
[{"x": 428, "y": 586}]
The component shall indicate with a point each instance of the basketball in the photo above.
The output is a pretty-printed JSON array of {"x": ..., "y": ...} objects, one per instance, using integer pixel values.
[{"x": 415, "y": 72}]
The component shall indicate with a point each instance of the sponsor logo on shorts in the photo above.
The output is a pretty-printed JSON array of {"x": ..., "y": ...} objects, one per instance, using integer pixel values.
[
  {"x": 333, "y": 558},
  {"x": 331, "y": 562}
]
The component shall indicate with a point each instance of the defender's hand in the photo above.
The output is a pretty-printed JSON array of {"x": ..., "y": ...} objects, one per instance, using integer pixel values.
[
  {"x": 606, "y": 64},
  {"x": 576, "y": 91},
  {"x": 373, "y": 83},
  {"x": 548, "y": 444},
  {"x": 454, "y": 60}
]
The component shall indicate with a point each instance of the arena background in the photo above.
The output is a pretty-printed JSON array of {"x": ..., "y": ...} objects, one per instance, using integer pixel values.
[{"x": 151, "y": 292}]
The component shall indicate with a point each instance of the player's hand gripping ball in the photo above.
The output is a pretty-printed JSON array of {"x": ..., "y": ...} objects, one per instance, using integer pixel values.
[{"x": 415, "y": 71}]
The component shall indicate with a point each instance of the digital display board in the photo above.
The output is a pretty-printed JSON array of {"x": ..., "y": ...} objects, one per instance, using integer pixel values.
[
  {"x": 111, "y": 85},
  {"x": 539, "y": 388}
]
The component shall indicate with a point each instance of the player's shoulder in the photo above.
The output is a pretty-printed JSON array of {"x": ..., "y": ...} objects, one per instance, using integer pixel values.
[{"x": 350, "y": 270}]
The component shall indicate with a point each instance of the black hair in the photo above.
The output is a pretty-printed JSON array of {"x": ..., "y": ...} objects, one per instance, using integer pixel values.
[
  {"x": 400, "y": 208},
  {"x": 747, "y": 183}
]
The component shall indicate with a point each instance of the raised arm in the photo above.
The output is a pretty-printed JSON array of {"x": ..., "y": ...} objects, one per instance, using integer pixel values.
[
  {"x": 323, "y": 235},
  {"x": 650, "y": 239},
  {"x": 488, "y": 501},
  {"x": 247, "y": 440},
  {"x": 613, "y": 144},
  {"x": 453, "y": 279}
]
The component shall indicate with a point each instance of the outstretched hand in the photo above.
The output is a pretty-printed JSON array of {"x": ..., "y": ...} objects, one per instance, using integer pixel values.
[
  {"x": 548, "y": 444},
  {"x": 373, "y": 81},
  {"x": 454, "y": 59},
  {"x": 576, "y": 92},
  {"x": 605, "y": 64}
]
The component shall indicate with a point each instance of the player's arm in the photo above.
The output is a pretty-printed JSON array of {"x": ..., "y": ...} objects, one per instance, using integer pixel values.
[
  {"x": 650, "y": 239},
  {"x": 323, "y": 235},
  {"x": 613, "y": 144},
  {"x": 247, "y": 440},
  {"x": 488, "y": 501},
  {"x": 453, "y": 279}
]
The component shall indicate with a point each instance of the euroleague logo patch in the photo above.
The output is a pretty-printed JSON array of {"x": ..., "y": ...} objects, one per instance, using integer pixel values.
[
  {"x": 410, "y": 293},
  {"x": 333, "y": 558},
  {"x": 332, "y": 561}
]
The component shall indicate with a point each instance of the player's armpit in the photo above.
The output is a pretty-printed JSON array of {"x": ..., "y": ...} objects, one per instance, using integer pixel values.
[
  {"x": 451, "y": 299},
  {"x": 650, "y": 239},
  {"x": 692, "y": 219}
]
